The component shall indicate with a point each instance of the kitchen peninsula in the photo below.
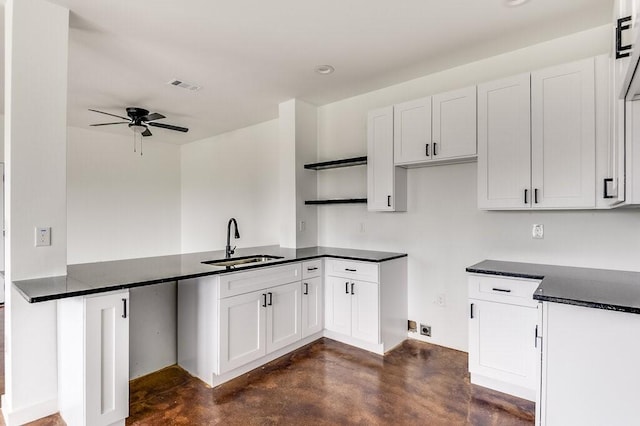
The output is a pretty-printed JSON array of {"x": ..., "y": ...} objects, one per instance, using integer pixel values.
[{"x": 230, "y": 319}]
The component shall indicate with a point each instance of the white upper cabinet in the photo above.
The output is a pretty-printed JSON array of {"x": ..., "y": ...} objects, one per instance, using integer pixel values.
[
  {"x": 412, "y": 132},
  {"x": 454, "y": 124},
  {"x": 435, "y": 129},
  {"x": 536, "y": 139},
  {"x": 504, "y": 143},
  {"x": 386, "y": 184},
  {"x": 563, "y": 136}
]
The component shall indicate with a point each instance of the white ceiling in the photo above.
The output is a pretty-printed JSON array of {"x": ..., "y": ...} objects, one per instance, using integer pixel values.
[{"x": 250, "y": 55}]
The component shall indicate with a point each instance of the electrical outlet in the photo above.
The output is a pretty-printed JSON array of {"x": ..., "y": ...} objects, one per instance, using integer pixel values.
[
  {"x": 537, "y": 231},
  {"x": 302, "y": 226},
  {"x": 425, "y": 330},
  {"x": 441, "y": 300},
  {"x": 413, "y": 327},
  {"x": 43, "y": 236},
  {"x": 362, "y": 227}
]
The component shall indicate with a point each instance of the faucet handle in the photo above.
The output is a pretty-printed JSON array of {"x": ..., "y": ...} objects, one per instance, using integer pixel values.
[{"x": 233, "y": 250}]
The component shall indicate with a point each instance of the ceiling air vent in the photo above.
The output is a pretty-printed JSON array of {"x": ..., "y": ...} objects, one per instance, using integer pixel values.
[{"x": 184, "y": 85}]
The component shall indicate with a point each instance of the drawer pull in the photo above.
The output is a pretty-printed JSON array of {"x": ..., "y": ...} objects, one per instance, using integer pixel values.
[
  {"x": 306, "y": 288},
  {"x": 501, "y": 290},
  {"x": 312, "y": 269},
  {"x": 346, "y": 288},
  {"x": 350, "y": 270}
]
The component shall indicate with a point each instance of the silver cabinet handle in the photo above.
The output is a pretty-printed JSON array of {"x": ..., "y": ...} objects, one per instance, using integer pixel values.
[
  {"x": 306, "y": 288},
  {"x": 124, "y": 308}
]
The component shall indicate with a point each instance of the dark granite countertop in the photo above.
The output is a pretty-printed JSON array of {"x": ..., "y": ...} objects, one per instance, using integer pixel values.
[
  {"x": 89, "y": 278},
  {"x": 592, "y": 288}
]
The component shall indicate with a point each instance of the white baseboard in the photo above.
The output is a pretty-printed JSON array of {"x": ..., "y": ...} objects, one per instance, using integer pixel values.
[
  {"x": 376, "y": 348},
  {"x": 28, "y": 414},
  {"x": 500, "y": 386}
]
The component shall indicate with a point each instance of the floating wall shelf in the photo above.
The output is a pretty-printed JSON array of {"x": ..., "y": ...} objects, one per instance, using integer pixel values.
[
  {"x": 337, "y": 201},
  {"x": 334, "y": 164}
]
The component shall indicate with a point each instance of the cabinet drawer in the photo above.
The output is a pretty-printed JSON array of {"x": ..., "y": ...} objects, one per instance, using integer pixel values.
[
  {"x": 311, "y": 269},
  {"x": 503, "y": 290},
  {"x": 363, "y": 271},
  {"x": 258, "y": 279}
]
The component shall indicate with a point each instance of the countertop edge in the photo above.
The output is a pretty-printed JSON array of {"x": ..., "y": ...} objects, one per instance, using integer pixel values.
[{"x": 129, "y": 285}]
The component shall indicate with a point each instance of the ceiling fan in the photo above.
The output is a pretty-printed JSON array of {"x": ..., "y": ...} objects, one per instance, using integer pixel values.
[{"x": 139, "y": 120}]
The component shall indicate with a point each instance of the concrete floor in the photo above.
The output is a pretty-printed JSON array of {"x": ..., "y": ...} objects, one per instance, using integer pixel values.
[
  {"x": 325, "y": 383},
  {"x": 328, "y": 383}
]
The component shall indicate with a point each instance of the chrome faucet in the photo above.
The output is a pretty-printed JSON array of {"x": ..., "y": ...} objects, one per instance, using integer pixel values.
[{"x": 228, "y": 250}]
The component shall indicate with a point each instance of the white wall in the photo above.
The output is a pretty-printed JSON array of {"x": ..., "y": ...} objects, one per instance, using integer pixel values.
[
  {"x": 121, "y": 205},
  {"x": 231, "y": 175},
  {"x": 443, "y": 231}
]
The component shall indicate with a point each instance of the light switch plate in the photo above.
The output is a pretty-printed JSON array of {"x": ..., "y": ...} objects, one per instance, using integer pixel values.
[{"x": 43, "y": 236}]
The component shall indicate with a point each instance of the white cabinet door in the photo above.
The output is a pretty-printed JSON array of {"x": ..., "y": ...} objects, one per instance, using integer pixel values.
[
  {"x": 504, "y": 158},
  {"x": 242, "y": 329},
  {"x": 283, "y": 316},
  {"x": 338, "y": 305},
  {"x": 312, "y": 306},
  {"x": 502, "y": 343},
  {"x": 365, "y": 315},
  {"x": 107, "y": 358},
  {"x": 412, "y": 131},
  {"x": 454, "y": 124},
  {"x": 563, "y": 136},
  {"x": 386, "y": 184}
]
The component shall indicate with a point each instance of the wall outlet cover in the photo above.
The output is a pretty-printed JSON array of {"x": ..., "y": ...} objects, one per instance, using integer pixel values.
[
  {"x": 537, "y": 231},
  {"x": 425, "y": 330}
]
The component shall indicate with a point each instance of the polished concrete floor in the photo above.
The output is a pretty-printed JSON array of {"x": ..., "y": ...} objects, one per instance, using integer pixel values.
[
  {"x": 328, "y": 383},
  {"x": 325, "y": 383}
]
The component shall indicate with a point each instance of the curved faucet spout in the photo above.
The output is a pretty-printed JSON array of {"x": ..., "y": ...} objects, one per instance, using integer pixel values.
[{"x": 228, "y": 250}]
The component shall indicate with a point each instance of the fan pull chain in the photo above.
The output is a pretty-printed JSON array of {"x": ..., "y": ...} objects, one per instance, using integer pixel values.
[
  {"x": 134, "y": 142},
  {"x": 141, "y": 145}
]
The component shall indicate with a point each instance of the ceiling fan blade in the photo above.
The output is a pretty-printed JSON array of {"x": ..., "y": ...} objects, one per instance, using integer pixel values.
[
  {"x": 152, "y": 116},
  {"x": 169, "y": 126},
  {"x": 106, "y": 113},
  {"x": 146, "y": 133},
  {"x": 108, "y": 124}
]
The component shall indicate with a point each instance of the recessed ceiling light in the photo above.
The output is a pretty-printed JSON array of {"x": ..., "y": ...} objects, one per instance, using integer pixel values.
[
  {"x": 514, "y": 3},
  {"x": 325, "y": 69}
]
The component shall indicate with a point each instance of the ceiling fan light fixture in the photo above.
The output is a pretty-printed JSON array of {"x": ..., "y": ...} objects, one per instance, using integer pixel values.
[
  {"x": 325, "y": 69},
  {"x": 137, "y": 128}
]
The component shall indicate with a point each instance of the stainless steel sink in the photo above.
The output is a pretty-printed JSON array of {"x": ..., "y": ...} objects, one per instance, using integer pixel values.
[{"x": 244, "y": 260}]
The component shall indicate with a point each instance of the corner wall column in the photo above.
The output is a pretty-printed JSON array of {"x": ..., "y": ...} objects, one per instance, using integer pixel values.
[{"x": 36, "y": 55}]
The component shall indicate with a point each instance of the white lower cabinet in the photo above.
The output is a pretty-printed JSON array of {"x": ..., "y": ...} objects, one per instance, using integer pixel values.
[
  {"x": 93, "y": 359},
  {"x": 232, "y": 323},
  {"x": 353, "y": 308},
  {"x": 590, "y": 370},
  {"x": 504, "y": 349},
  {"x": 366, "y": 303},
  {"x": 255, "y": 324}
]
